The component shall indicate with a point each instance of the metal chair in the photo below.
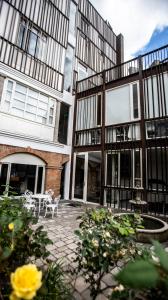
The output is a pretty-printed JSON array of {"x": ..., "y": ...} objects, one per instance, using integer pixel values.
[
  {"x": 28, "y": 193},
  {"x": 28, "y": 196},
  {"x": 30, "y": 205},
  {"x": 49, "y": 192},
  {"x": 52, "y": 207}
]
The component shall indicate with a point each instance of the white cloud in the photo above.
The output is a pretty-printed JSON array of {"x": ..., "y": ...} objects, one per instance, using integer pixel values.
[{"x": 135, "y": 19}]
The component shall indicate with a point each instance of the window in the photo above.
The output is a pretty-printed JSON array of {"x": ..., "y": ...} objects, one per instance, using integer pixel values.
[
  {"x": 68, "y": 69},
  {"x": 135, "y": 101},
  {"x": 101, "y": 43},
  {"x": 82, "y": 72},
  {"x": 28, "y": 103},
  {"x": 32, "y": 46},
  {"x": 84, "y": 26},
  {"x": 122, "y": 133},
  {"x": 98, "y": 110},
  {"x": 22, "y": 34},
  {"x": 137, "y": 169},
  {"x": 22, "y": 176},
  {"x": 63, "y": 124},
  {"x": 119, "y": 169},
  {"x": 72, "y": 18},
  {"x": 32, "y": 40},
  {"x": 157, "y": 128}
]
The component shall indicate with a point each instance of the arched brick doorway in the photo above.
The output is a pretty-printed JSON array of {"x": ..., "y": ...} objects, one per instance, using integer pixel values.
[
  {"x": 53, "y": 164},
  {"x": 22, "y": 171}
]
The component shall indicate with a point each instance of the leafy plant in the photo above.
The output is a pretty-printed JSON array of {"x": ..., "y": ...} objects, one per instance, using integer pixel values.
[
  {"x": 22, "y": 242},
  {"x": 104, "y": 240},
  {"x": 54, "y": 284},
  {"x": 145, "y": 278},
  {"x": 19, "y": 240}
]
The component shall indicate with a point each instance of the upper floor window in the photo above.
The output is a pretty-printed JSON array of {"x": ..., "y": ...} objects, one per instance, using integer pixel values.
[
  {"x": 99, "y": 110},
  {"x": 63, "y": 123},
  {"x": 72, "y": 18},
  {"x": 135, "y": 101},
  {"x": 32, "y": 40},
  {"x": 84, "y": 26},
  {"x": 68, "y": 68},
  {"x": 101, "y": 43},
  {"x": 25, "y": 102},
  {"x": 82, "y": 72}
]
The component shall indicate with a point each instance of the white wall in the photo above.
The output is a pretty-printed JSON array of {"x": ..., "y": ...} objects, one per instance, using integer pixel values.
[{"x": 28, "y": 128}]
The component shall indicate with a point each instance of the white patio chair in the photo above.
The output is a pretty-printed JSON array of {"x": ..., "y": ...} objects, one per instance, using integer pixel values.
[
  {"x": 49, "y": 192},
  {"x": 49, "y": 200},
  {"x": 52, "y": 207},
  {"x": 30, "y": 205},
  {"x": 28, "y": 195}
]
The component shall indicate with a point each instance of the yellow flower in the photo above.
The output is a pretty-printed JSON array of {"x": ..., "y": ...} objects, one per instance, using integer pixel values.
[
  {"x": 26, "y": 281},
  {"x": 95, "y": 243},
  {"x": 105, "y": 254},
  {"x": 12, "y": 246},
  {"x": 107, "y": 234},
  {"x": 11, "y": 226},
  {"x": 13, "y": 296},
  {"x": 118, "y": 288}
]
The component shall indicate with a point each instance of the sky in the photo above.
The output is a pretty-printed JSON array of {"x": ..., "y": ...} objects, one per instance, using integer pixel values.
[{"x": 143, "y": 23}]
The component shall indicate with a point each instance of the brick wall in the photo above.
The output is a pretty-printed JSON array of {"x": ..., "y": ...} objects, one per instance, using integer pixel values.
[{"x": 53, "y": 161}]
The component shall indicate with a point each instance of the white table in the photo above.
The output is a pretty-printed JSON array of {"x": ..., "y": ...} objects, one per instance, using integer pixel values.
[{"x": 40, "y": 197}]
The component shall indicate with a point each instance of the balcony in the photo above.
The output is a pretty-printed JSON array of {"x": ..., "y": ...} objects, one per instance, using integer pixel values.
[
  {"x": 157, "y": 128},
  {"x": 16, "y": 58},
  {"x": 122, "y": 133},
  {"x": 88, "y": 137}
]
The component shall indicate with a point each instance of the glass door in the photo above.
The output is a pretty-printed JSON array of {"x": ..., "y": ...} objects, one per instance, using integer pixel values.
[
  {"x": 87, "y": 177},
  {"x": 94, "y": 177},
  {"x": 80, "y": 176}
]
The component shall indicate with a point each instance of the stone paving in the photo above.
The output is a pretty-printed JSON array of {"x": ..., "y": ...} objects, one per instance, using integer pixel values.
[{"x": 61, "y": 231}]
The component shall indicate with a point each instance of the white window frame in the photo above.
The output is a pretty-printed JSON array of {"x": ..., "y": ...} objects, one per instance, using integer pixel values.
[{"x": 50, "y": 99}]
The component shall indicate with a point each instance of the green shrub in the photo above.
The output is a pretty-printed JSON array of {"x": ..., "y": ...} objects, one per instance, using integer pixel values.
[
  {"x": 19, "y": 241},
  {"x": 22, "y": 242},
  {"x": 104, "y": 241},
  {"x": 145, "y": 278}
]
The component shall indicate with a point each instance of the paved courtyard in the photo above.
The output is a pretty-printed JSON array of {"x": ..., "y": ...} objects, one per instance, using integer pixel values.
[{"x": 61, "y": 232}]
